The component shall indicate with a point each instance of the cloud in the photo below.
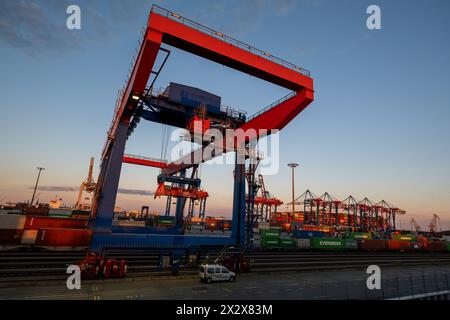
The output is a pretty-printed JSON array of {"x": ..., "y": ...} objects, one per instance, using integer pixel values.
[
  {"x": 72, "y": 189},
  {"x": 27, "y": 25},
  {"x": 242, "y": 17},
  {"x": 39, "y": 27},
  {"x": 136, "y": 192},
  {"x": 55, "y": 188}
]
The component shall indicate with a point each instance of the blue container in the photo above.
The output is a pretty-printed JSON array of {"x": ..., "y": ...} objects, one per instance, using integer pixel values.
[
  {"x": 193, "y": 97},
  {"x": 306, "y": 234}
]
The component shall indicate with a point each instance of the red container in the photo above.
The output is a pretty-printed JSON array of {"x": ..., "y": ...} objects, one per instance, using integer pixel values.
[
  {"x": 211, "y": 224},
  {"x": 373, "y": 245},
  {"x": 435, "y": 246},
  {"x": 10, "y": 236},
  {"x": 63, "y": 237},
  {"x": 34, "y": 223},
  {"x": 399, "y": 245}
]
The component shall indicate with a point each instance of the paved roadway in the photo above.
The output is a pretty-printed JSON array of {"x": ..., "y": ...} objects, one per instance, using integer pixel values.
[{"x": 345, "y": 284}]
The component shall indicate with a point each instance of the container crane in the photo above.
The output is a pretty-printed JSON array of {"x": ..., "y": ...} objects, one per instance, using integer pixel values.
[
  {"x": 87, "y": 185},
  {"x": 414, "y": 225},
  {"x": 266, "y": 203},
  {"x": 350, "y": 204},
  {"x": 311, "y": 206},
  {"x": 435, "y": 224},
  {"x": 331, "y": 203}
]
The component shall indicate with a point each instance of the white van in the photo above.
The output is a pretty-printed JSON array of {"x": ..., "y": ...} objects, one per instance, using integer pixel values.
[{"x": 215, "y": 272}]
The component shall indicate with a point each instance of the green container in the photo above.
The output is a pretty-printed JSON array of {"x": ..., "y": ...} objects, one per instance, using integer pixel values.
[
  {"x": 270, "y": 243},
  {"x": 358, "y": 236},
  {"x": 351, "y": 244},
  {"x": 448, "y": 245},
  {"x": 81, "y": 212},
  {"x": 328, "y": 244},
  {"x": 287, "y": 243},
  {"x": 270, "y": 233},
  {"x": 404, "y": 237}
]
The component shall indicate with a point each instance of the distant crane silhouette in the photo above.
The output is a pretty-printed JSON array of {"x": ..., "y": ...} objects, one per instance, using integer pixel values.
[
  {"x": 415, "y": 225},
  {"x": 435, "y": 223},
  {"x": 87, "y": 185}
]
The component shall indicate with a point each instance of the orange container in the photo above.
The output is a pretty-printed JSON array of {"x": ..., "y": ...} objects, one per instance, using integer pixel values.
[
  {"x": 63, "y": 237},
  {"x": 34, "y": 223},
  {"x": 399, "y": 245}
]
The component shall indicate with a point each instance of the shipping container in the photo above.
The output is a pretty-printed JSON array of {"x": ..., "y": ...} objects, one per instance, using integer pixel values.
[
  {"x": 10, "y": 211},
  {"x": 67, "y": 213},
  {"x": 306, "y": 234},
  {"x": 263, "y": 225},
  {"x": 81, "y": 212},
  {"x": 29, "y": 237},
  {"x": 327, "y": 244},
  {"x": 404, "y": 237},
  {"x": 351, "y": 244},
  {"x": 303, "y": 243},
  {"x": 12, "y": 221},
  {"x": 399, "y": 245},
  {"x": 270, "y": 243},
  {"x": 63, "y": 237},
  {"x": 192, "y": 96},
  {"x": 34, "y": 223},
  {"x": 358, "y": 235},
  {"x": 435, "y": 246},
  {"x": 37, "y": 211},
  {"x": 287, "y": 243},
  {"x": 373, "y": 245},
  {"x": 10, "y": 236},
  {"x": 270, "y": 233}
]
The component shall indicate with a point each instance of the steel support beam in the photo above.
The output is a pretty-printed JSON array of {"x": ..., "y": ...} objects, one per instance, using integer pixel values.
[{"x": 106, "y": 200}]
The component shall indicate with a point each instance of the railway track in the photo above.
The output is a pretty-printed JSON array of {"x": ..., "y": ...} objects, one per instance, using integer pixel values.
[{"x": 35, "y": 266}]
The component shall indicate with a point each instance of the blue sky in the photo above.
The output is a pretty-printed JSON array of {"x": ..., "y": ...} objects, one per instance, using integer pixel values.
[{"x": 379, "y": 125}]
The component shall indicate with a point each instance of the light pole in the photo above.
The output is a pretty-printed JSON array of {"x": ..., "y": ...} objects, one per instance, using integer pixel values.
[
  {"x": 35, "y": 187},
  {"x": 293, "y": 166}
]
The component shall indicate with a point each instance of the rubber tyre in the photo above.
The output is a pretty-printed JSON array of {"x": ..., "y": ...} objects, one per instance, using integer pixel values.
[
  {"x": 232, "y": 279},
  {"x": 208, "y": 280}
]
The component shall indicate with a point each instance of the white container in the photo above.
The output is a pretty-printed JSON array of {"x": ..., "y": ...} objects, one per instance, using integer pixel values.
[
  {"x": 128, "y": 223},
  {"x": 29, "y": 236},
  {"x": 284, "y": 235},
  {"x": 303, "y": 243},
  {"x": 264, "y": 225},
  {"x": 12, "y": 221}
]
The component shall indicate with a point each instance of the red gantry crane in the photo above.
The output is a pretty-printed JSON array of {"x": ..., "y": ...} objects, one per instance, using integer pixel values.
[
  {"x": 138, "y": 100},
  {"x": 265, "y": 202}
]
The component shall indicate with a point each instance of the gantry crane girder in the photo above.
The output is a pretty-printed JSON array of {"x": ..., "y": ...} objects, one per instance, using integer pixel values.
[
  {"x": 162, "y": 28},
  {"x": 165, "y": 27}
]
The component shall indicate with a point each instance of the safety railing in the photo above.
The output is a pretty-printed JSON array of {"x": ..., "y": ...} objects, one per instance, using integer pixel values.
[
  {"x": 218, "y": 35},
  {"x": 270, "y": 106},
  {"x": 144, "y": 158}
]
